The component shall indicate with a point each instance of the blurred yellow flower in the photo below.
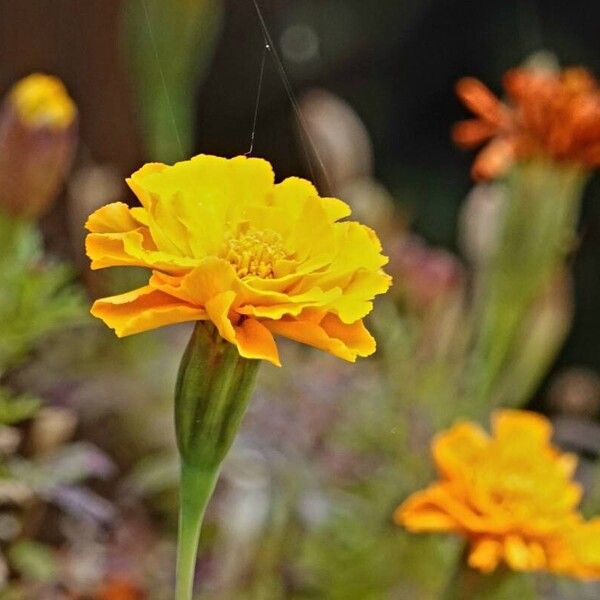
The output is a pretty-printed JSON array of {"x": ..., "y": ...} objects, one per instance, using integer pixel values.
[
  {"x": 43, "y": 101},
  {"x": 511, "y": 495},
  {"x": 227, "y": 244},
  {"x": 38, "y": 138}
]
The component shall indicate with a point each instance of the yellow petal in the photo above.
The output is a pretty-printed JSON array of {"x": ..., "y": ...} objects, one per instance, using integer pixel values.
[
  {"x": 191, "y": 202},
  {"x": 132, "y": 248},
  {"x": 522, "y": 426},
  {"x": 517, "y": 554},
  {"x": 356, "y": 300},
  {"x": 355, "y": 268},
  {"x": 119, "y": 238},
  {"x": 336, "y": 209},
  {"x": 291, "y": 195},
  {"x": 112, "y": 218},
  {"x": 458, "y": 449},
  {"x": 576, "y": 551},
  {"x": 276, "y": 305}
]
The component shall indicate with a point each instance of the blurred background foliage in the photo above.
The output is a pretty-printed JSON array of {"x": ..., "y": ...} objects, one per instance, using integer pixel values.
[{"x": 304, "y": 509}]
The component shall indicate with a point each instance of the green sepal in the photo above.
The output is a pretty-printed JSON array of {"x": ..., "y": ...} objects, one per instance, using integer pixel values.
[{"x": 214, "y": 386}]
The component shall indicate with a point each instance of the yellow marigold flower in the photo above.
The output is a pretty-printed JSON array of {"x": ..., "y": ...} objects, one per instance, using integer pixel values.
[
  {"x": 228, "y": 245},
  {"x": 511, "y": 495},
  {"x": 43, "y": 101}
]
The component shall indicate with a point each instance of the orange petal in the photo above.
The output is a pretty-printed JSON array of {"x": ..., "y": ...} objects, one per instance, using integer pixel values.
[
  {"x": 472, "y": 133},
  {"x": 419, "y": 514},
  {"x": 328, "y": 334},
  {"x": 485, "y": 554},
  {"x": 479, "y": 99},
  {"x": 218, "y": 309},
  {"x": 355, "y": 335},
  {"x": 254, "y": 340},
  {"x": 143, "y": 309},
  {"x": 494, "y": 160},
  {"x": 426, "y": 508}
]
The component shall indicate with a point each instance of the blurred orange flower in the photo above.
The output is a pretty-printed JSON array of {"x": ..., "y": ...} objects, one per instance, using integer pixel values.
[
  {"x": 511, "y": 495},
  {"x": 119, "y": 588},
  {"x": 228, "y": 245},
  {"x": 556, "y": 115}
]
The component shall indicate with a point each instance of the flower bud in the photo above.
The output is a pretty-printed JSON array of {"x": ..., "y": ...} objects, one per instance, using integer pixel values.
[{"x": 38, "y": 123}]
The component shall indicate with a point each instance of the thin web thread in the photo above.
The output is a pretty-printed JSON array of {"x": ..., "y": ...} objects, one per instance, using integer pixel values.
[
  {"x": 163, "y": 80},
  {"x": 305, "y": 135},
  {"x": 266, "y": 49}
]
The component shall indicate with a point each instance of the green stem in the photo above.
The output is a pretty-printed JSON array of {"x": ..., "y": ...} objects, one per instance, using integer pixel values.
[
  {"x": 536, "y": 236},
  {"x": 196, "y": 489},
  {"x": 211, "y": 397}
]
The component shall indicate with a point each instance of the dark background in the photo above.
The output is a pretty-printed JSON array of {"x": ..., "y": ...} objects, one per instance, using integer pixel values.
[{"x": 394, "y": 61}]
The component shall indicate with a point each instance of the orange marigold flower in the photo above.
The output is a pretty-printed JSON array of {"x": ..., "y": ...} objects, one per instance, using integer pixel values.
[
  {"x": 511, "y": 495},
  {"x": 556, "y": 115},
  {"x": 228, "y": 245}
]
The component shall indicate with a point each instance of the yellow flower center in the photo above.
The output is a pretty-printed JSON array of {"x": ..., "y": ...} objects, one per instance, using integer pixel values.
[
  {"x": 43, "y": 101},
  {"x": 254, "y": 252}
]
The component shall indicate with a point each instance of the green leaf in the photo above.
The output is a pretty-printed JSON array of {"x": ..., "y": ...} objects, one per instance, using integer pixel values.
[
  {"x": 34, "y": 561},
  {"x": 17, "y": 409},
  {"x": 37, "y": 296}
]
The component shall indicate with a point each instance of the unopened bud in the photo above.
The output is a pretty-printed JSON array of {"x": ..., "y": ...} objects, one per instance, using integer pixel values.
[{"x": 38, "y": 123}]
